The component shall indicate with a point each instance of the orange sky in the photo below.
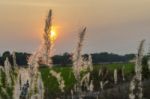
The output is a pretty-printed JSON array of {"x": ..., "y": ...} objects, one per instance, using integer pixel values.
[{"x": 112, "y": 25}]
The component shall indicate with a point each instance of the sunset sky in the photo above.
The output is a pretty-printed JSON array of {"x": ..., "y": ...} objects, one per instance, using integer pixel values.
[{"x": 112, "y": 25}]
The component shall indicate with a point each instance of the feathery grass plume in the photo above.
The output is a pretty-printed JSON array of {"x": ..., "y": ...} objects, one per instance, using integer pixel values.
[
  {"x": 22, "y": 78},
  {"x": 47, "y": 40},
  {"x": 102, "y": 84},
  {"x": 85, "y": 80},
  {"x": 44, "y": 50},
  {"x": 4, "y": 92},
  {"x": 86, "y": 64},
  {"x": 149, "y": 59},
  {"x": 35, "y": 82},
  {"x": 8, "y": 70},
  {"x": 77, "y": 58},
  {"x": 33, "y": 62},
  {"x": 90, "y": 62},
  {"x": 34, "y": 77},
  {"x": 33, "y": 70},
  {"x": 99, "y": 72},
  {"x": 136, "y": 83},
  {"x": 14, "y": 59},
  {"x": 72, "y": 93},
  {"x": 1, "y": 70},
  {"x": 40, "y": 87},
  {"x": 115, "y": 76},
  {"x": 30, "y": 74},
  {"x": 149, "y": 64},
  {"x": 59, "y": 79},
  {"x": 91, "y": 87},
  {"x": 123, "y": 75},
  {"x": 0, "y": 78},
  {"x": 44, "y": 53},
  {"x": 139, "y": 57},
  {"x": 17, "y": 87}
]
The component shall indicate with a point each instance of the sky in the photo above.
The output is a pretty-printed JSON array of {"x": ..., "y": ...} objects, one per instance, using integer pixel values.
[{"x": 115, "y": 26}]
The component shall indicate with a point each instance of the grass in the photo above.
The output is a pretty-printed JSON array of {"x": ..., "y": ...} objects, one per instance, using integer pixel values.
[
  {"x": 128, "y": 67},
  {"x": 51, "y": 83},
  {"x": 8, "y": 92}
]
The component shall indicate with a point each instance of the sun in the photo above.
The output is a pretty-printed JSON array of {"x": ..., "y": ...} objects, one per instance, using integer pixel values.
[{"x": 53, "y": 35}]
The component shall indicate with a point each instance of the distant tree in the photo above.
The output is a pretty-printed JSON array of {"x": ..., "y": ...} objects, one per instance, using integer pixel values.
[
  {"x": 5, "y": 55},
  {"x": 22, "y": 58},
  {"x": 66, "y": 59},
  {"x": 63, "y": 60},
  {"x": 128, "y": 57},
  {"x": 105, "y": 57},
  {"x": 1, "y": 61}
]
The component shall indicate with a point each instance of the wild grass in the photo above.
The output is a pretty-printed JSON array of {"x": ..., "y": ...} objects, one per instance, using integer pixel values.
[
  {"x": 128, "y": 67},
  {"x": 51, "y": 84}
]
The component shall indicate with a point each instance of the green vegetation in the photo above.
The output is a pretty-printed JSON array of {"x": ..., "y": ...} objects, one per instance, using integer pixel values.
[
  {"x": 128, "y": 67},
  {"x": 51, "y": 84},
  {"x": 6, "y": 91},
  {"x": 103, "y": 57}
]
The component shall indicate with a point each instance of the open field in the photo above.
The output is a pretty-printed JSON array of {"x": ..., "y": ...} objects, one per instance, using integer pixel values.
[
  {"x": 99, "y": 61},
  {"x": 51, "y": 83}
]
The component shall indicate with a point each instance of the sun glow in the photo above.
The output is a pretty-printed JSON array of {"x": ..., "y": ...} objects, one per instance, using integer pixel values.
[{"x": 53, "y": 35}]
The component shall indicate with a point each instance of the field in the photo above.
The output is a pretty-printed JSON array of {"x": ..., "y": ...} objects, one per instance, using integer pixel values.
[
  {"x": 89, "y": 76},
  {"x": 51, "y": 84}
]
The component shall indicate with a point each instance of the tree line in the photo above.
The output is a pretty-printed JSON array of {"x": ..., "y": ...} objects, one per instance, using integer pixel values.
[{"x": 66, "y": 58}]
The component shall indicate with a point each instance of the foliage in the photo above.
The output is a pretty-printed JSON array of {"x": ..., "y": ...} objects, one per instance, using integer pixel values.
[
  {"x": 145, "y": 71},
  {"x": 65, "y": 59},
  {"x": 51, "y": 84},
  {"x": 21, "y": 58}
]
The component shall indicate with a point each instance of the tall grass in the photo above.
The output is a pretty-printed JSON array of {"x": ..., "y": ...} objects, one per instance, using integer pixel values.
[
  {"x": 47, "y": 46},
  {"x": 136, "y": 91}
]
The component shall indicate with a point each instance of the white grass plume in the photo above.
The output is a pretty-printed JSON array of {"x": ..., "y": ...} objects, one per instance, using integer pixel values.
[
  {"x": 123, "y": 74},
  {"x": 14, "y": 59},
  {"x": 47, "y": 40},
  {"x": 8, "y": 70},
  {"x": 77, "y": 54},
  {"x": 59, "y": 78},
  {"x": 148, "y": 64},
  {"x": 115, "y": 76},
  {"x": 1, "y": 71},
  {"x": 77, "y": 58},
  {"x": 136, "y": 83}
]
